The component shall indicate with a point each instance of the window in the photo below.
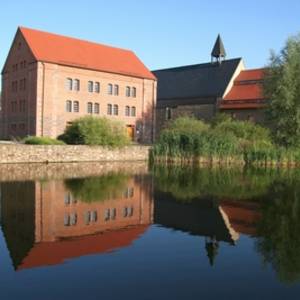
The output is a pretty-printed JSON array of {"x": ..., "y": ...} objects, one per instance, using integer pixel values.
[
  {"x": 70, "y": 220},
  {"x": 69, "y": 106},
  {"x": 127, "y": 111},
  {"x": 87, "y": 217},
  {"x": 90, "y": 86},
  {"x": 13, "y": 127},
  {"x": 127, "y": 91},
  {"x": 113, "y": 214},
  {"x": 96, "y": 108},
  {"x": 76, "y": 85},
  {"x": 130, "y": 211},
  {"x": 76, "y": 106},
  {"x": 133, "y": 111},
  {"x": 116, "y": 89},
  {"x": 14, "y": 106},
  {"x": 90, "y": 107},
  {"x": 116, "y": 110},
  {"x": 69, "y": 84},
  {"x": 168, "y": 113},
  {"x": 97, "y": 87},
  {"x": 107, "y": 214},
  {"x": 110, "y": 89},
  {"x": 22, "y": 84},
  {"x": 125, "y": 212},
  {"x": 109, "y": 109},
  {"x": 22, "y": 105},
  {"x": 134, "y": 92},
  {"x": 94, "y": 216},
  {"x": 14, "y": 86}
]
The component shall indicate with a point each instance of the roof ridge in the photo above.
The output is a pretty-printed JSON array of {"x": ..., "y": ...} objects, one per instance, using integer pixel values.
[
  {"x": 196, "y": 65},
  {"x": 74, "y": 38}
]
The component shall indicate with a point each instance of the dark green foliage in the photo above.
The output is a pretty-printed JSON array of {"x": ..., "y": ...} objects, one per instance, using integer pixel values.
[
  {"x": 188, "y": 182},
  {"x": 282, "y": 88},
  {"x": 279, "y": 228},
  {"x": 226, "y": 140},
  {"x": 35, "y": 140},
  {"x": 92, "y": 189},
  {"x": 96, "y": 131}
]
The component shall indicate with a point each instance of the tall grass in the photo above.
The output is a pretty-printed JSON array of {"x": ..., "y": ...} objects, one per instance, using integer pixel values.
[{"x": 225, "y": 141}]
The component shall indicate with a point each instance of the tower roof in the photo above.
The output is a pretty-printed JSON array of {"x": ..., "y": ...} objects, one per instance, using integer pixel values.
[{"x": 218, "y": 49}]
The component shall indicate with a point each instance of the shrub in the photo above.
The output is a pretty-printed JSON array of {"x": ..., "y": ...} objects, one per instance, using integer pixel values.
[
  {"x": 36, "y": 140},
  {"x": 96, "y": 131}
]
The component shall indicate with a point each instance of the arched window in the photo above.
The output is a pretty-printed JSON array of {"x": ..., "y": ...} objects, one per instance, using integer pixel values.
[
  {"x": 69, "y": 84},
  {"x": 110, "y": 89},
  {"x": 127, "y": 111},
  {"x": 76, "y": 106},
  {"x": 90, "y": 86},
  {"x": 69, "y": 106},
  {"x": 116, "y": 110},
  {"x": 133, "y": 111},
  {"x": 96, "y": 108},
  {"x": 97, "y": 87},
  {"x": 90, "y": 107},
  {"x": 127, "y": 91},
  {"x": 134, "y": 92},
  {"x": 109, "y": 109},
  {"x": 76, "y": 85},
  {"x": 116, "y": 89}
]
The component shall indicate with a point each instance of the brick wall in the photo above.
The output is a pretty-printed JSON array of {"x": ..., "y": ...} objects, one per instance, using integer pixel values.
[{"x": 35, "y": 154}]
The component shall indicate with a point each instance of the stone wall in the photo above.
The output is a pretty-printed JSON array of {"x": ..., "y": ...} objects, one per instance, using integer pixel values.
[{"x": 13, "y": 153}]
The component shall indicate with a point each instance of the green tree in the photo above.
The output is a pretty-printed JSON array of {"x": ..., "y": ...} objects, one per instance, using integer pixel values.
[{"x": 282, "y": 88}]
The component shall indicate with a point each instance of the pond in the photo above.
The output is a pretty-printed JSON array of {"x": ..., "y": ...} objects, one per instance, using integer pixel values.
[{"x": 113, "y": 231}]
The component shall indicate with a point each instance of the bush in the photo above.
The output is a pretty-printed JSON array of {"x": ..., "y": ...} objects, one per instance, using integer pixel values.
[
  {"x": 96, "y": 131},
  {"x": 36, "y": 140}
]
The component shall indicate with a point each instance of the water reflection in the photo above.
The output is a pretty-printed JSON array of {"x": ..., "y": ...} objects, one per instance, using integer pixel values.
[
  {"x": 45, "y": 223},
  {"x": 80, "y": 210}
]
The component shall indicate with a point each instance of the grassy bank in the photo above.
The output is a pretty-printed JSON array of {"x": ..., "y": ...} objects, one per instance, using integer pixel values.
[{"x": 225, "y": 141}]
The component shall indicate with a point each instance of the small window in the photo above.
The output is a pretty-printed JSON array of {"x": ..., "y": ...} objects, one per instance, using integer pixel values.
[
  {"x": 110, "y": 89},
  {"x": 97, "y": 87},
  {"x": 107, "y": 214},
  {"x": 90, "y": 86},
  {"x": 90, "y": 107},
  {"x": 116, "y": 110},
  {"x": 130, "y": 211},
  {"x": 69, "y": 84},
  {"x": 125, "y": 212},
  {"x": 127, "y": 111},
  {"x": 134, "y": 92},
  {"x": 109, "y": 109},
  {"x": 94, "y": 216},
  {"x": 76, "y": 85},
  {"x": 127, "y": 91},
  {"x": 67, "y": 220},
  {"x": 96, "y": 108},
  {"x": 73, "y": 219},
  {"x": 76, "y": 106},
  {"x": 168, "y": 113},
  {"x": 68, "y": 106},
  {"x": 116, "y": 89},
  {"x": 113, "y": 214},
  {"x": 87, "y": 218},
  {"x": 133, "y": 111}
]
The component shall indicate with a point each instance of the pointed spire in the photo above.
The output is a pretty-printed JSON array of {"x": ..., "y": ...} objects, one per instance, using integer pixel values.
[{"x": 218, "y": 51}]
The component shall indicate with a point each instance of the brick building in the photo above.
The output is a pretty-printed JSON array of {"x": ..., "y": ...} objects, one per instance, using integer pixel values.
[
  {"x": 49, "y": 80},
  {"x": 202, "y": 90}
]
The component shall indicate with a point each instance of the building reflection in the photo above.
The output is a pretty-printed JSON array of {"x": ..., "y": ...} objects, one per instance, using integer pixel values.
[
  {"x": 215, "y": 220},
  {"x": 45, "y": 223}
]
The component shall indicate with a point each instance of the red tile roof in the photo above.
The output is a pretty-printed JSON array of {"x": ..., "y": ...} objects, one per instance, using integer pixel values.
[
  {"x": 246, "y": 91},
  {"x": 58, "y": 49},
  {"x": 52, "y": 253}
]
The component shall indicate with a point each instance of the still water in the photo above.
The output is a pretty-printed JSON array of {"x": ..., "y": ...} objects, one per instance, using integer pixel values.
[{"x": 124, "y": 231}]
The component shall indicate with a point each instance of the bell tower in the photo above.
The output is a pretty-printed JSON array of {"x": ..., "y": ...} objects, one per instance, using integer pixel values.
[{"x": 218, "y": 52}]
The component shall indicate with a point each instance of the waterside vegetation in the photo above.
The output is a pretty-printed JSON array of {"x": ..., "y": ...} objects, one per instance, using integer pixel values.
[{"x": 224, "y": 141}]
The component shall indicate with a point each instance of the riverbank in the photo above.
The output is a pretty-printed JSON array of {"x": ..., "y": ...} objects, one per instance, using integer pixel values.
[{"x": 20, "y": 153}]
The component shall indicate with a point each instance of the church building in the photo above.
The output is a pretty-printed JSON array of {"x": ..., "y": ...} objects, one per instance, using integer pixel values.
[{"x": 202, "y": 90}]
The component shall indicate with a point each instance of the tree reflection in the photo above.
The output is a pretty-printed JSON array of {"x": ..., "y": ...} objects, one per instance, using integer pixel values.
[
  {"x": 90, "y": 189},
  {"x": 279, "y": 228}
]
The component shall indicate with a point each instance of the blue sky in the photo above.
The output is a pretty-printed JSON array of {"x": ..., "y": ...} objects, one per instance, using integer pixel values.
[{"x": 163, "y": 33}]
